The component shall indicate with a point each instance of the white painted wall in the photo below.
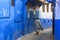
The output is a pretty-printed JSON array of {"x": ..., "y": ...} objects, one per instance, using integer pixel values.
[
  {"x": 57, "y": 10},
  {"x": 45, "y": 15}
]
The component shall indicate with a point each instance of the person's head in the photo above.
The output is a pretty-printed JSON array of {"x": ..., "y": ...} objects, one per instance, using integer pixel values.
[{"x": 37, "y": 18}]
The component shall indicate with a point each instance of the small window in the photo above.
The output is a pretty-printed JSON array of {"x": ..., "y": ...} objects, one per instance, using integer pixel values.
[
  {"x": 52, "y": 8},
  {"x": 47, "y": 7},
  {"x": 48, "y": 21},
  {"x": 13, "y": 3},
  {"x": 43, "y": 8},
  {"x": 44, "y": 21},
  {"x": 4, "y": 9}
]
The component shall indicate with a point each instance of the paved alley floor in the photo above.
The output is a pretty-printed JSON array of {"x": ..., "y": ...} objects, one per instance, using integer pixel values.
[{"x": 46, "y": 34}]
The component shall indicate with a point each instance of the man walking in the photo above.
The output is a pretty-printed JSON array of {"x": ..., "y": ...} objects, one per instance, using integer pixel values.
[{"x": 37, "y": 26}]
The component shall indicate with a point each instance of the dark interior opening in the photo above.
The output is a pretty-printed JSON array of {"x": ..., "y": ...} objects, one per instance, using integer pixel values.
[{"x": 12, "y": 3}]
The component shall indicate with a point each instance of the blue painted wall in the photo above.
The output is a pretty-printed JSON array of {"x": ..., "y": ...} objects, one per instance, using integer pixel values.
[
  {"x": 10, "y": 29},
  {"x": 16, "y": 23},
  {"x": 57, "y": 21},
  {"x": 46, "y": 23}
]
